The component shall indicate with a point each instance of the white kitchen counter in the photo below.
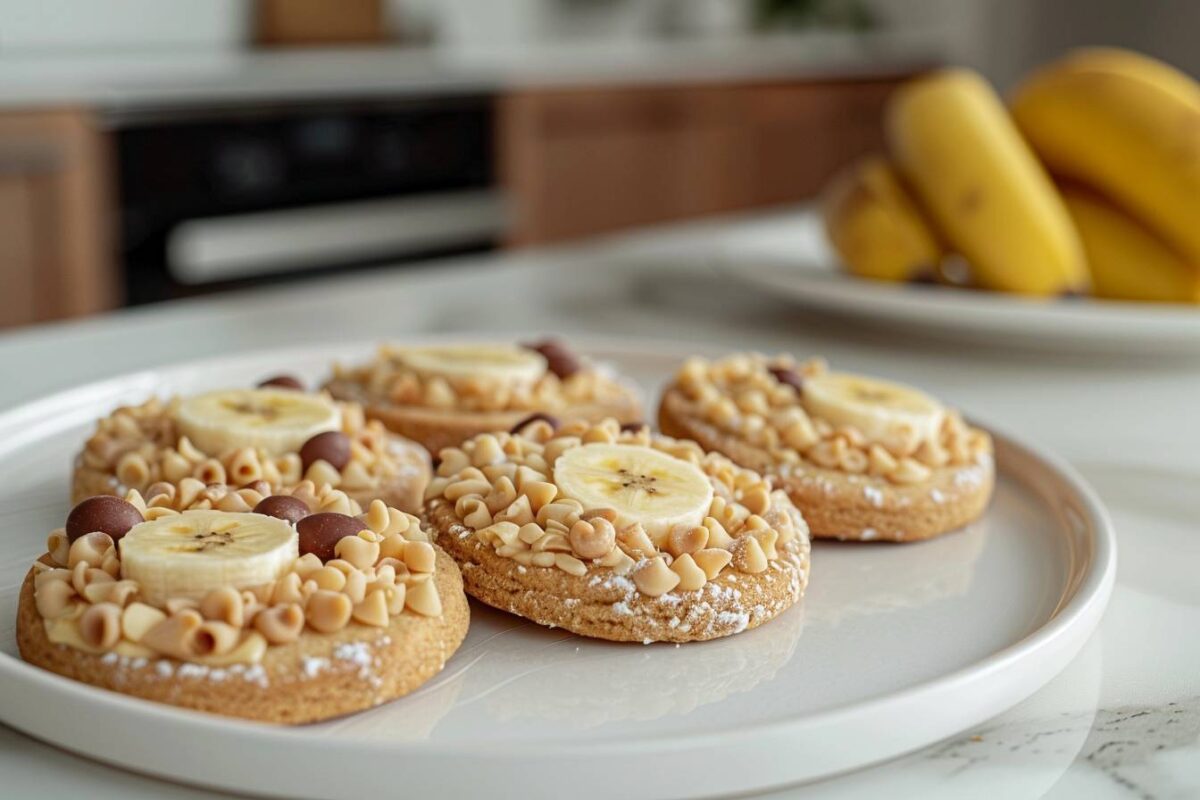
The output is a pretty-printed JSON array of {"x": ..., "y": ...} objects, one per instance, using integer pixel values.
[
  {"x": 1123, "y": 721},
  {"x": 127, "y": 81}
]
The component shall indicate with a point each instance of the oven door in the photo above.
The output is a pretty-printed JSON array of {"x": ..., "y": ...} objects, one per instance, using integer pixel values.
[
  {"x": 223, "y": 197},
  {"x": 245, "y": 246}
]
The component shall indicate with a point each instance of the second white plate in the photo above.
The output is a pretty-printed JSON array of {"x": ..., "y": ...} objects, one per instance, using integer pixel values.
[
  {"x": 787, "y": 256},
  {"x": 894, "y": 647}
]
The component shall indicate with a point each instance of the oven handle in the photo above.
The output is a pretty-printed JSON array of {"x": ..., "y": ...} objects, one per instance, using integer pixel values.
[{"x": 211, "y": 249}]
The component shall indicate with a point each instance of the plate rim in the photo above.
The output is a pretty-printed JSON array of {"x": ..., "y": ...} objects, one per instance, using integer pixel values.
[
  {"x": 834, "y": 292},
  {"x": 1086, "y": 603}
]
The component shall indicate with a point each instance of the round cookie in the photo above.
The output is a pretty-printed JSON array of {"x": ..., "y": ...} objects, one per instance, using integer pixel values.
[
  {"x": 848, "y": 487},
  {"x": 314, "y": 678},
  {"x": 717, "y": 572},
  {"x": 139, "y": 447},
  {"x": 289, "y": 656},
  {"x": 442, "y": 410}
]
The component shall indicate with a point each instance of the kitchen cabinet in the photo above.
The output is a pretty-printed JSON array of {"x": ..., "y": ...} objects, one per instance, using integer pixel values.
[
  {"x": 572, "y": 160},
  {"x": 55, "y": 257},
  {"x": 582, "y": 161}
]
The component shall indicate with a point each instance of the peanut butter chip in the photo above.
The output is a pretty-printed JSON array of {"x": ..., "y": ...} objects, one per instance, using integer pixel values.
[
  {"x": 373, "y": 609},
  {"x": 328, "y": 611},
  {"x": 423, "y": 599},
  {"x": 748, "y": 555},
  {"x": 687, "y": 539},
  {"x": 137, "y": 618},
  {"x": 655, "y": 578},
  {"x": 691, "y": 576},
  {"x": 280, "y": 624}
]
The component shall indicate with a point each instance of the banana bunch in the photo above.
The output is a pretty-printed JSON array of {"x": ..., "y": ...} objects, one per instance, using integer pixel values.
[
  {"x": 1127, "y": 128},
  {"x": 876, "y": 226},
  {"x": 1091, "y": 179},
  {"x": 1127, "y": 260}
]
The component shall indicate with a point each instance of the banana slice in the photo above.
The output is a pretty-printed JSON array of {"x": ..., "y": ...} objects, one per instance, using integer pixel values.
[
  {"x": 503, "y": 362},
  {"x": 276, "y": 420},
  {"x": 642, "y": 484},
  {"x": 190, "y": 554},
  {"x": 896, "y": 416}
]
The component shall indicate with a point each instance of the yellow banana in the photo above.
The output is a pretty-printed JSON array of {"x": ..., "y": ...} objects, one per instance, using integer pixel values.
[
  {"x": 1126, "y": 125},
  {"x": 875, "y": 226},
  {"x": 1150, "y": 70},
  {"x": 1127, "y": 261},
  {"x": 982, "y": 186}
]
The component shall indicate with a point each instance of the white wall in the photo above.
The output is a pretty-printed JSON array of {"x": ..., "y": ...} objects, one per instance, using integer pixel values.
[{"x": 1019, "y": 34}]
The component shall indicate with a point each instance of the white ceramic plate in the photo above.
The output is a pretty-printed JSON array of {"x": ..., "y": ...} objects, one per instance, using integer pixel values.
[
  {"x": 788, "y": 257},
  {"x": 894, "y": 647}
]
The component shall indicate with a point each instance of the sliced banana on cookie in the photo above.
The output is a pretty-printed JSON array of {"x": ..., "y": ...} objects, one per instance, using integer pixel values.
[
  {"x": 276, "y": 420},
  {"x": 502, "y": 362},
  {"x": 641, "y": 484},
  {"x": 190, "y": 554},
  {"x": 897, "y": 416}
]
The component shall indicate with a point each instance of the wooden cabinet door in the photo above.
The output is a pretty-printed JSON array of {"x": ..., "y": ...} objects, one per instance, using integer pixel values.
[
  {"x": 802, "y": 133},
  {"x": 55, "y": 256},
  {"x": 584, "y": 161}
]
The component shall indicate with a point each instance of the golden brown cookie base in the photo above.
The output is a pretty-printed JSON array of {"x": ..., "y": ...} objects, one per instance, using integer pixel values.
[
  {"x": 838, "y": 505},
  {"x": 314, "y": 678},
  {"x": 603, "y": 605},
  {"x": 405, "y": 491},
  {"x": 436, "y": 429}
]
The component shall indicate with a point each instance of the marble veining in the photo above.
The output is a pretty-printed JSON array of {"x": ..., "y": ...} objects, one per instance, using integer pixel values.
[{"x": 1122, "y": 744}]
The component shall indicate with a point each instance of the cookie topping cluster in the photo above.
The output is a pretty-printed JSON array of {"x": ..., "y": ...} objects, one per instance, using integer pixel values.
[
  {"x": 565, "y": 382},
  {"x": 376, "y": 565},
  {"x": 508, "y": 491},
  {"x": 136, "y": 447},
  {"x": 762, "y": 401}
]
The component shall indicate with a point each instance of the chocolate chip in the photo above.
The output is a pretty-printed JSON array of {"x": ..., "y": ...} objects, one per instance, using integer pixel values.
[
  {"x": 559, "y": 358},
  {"x": 552, "y": 421},
  {"x": 112, "y": 515},
  {"x": 789, "y": 377},
  {"x": 332, "y": 447},
  {"x": 633, "y": 427},
  {"x": 281, "y": 506},
  {"x": 282, "y": 382},
  {"x": 320, "y": 533}
]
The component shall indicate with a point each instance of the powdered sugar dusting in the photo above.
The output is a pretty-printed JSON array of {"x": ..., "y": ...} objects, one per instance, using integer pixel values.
[
  {"x": 166, "y": 669},
  {"x": 620, "y": 583},
  {"x": 970, "y": 476},
  {"x": 256, "y": 674},
  {"x": 738, "y": 619},
  {"x": 313, "y": 666}
]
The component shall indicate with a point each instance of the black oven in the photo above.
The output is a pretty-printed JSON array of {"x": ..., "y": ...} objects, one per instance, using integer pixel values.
[{"x": 217, "y": 197}]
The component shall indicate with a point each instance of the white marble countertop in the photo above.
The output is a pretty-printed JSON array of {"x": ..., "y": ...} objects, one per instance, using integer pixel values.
[
  {"x": 1123, "y": 721},
  {"x": 126, "y": 81}
]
